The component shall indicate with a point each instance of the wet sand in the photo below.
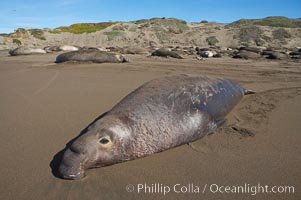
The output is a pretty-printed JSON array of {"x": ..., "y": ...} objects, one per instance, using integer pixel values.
[{"x": 44, "y": 105}]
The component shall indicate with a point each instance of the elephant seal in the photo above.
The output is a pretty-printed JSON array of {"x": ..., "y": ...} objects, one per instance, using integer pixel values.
[
  {"x": 68, "y": 48},
  {"x": 161, "y": 114},
  {"x": 274, "y": 55},
  {"x": 50, "y": 49},
  {"x": 166, "y": 53},
  {"x": 246, "y": 55},
  {"x": 251, "y": 49},
  {"x": 206, "y": 54},
  {"x": 134, "y": 50},
  {"x": 92, "y": 55},
  {"x": 26, "y": 51}
]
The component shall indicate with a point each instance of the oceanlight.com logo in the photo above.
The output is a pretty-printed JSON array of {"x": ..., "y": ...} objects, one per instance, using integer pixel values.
[{"x": 191, "y": 188}]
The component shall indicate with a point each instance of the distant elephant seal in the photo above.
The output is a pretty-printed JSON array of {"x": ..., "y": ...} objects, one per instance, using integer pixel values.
[
  {"x": 274, "y": 55},
  {"x": 166, "y": 53},
  {"x": 206, "y": 54},
  {"x": 50, "y": 49},
  {"x": 247, "y": 55},
  {"x": 134, "y": 50},
  {"x": 251, "y": 49},
  {"x": 161, "y": 114},
  {"x": 68, "y": 48},
  {"x": 91, "y": 55},
  {"x": 26, "y": 51}
]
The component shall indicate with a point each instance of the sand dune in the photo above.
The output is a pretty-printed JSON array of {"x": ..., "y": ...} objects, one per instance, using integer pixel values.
[{"x": 44, "y": 105}]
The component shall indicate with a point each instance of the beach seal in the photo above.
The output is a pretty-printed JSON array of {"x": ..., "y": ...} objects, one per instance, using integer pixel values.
[
  {"x": 251, "y": 49},
  {"x": 206, "y": 54},
  {"x": 246, "y": 55},
  {"x": 61, "y": 48},
  {"x": 134, "y": 50},
  {"x": 161, "y": 114},
  {"x": 274, "y": 55},
  {"x": 91, "y": 55},
  {"x": 68, "y": 48},
  {"x": 50, "y": 49},
  {"x": 166, "y": 53},
  {"x": 26, "y": 51}
]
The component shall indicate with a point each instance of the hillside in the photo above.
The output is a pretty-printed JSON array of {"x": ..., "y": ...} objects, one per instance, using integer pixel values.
[{"x": 276, "y": 32}]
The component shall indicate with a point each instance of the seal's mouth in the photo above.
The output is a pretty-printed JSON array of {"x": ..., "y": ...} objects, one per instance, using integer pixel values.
[
  {"x": 66, "y": 173},
  {"x": 71, "y": 166}
]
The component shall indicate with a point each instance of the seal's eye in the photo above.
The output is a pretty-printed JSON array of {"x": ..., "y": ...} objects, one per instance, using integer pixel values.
[{"x": 104, "y": 141}]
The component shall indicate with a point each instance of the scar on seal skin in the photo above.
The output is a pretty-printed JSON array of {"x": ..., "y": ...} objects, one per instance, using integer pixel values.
[{"x": 161, "y": 114}]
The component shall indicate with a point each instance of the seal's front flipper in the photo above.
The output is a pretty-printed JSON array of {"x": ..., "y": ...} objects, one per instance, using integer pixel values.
[
  {"x": 220, "y": 122},
  {"x": 215, "y": 125}
]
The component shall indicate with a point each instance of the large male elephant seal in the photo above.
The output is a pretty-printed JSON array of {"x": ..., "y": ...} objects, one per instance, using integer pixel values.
[
  {"x": 161, "y": 114},
  {"x": 92, "y": 55},
  {"x": 26, "y": 51}
]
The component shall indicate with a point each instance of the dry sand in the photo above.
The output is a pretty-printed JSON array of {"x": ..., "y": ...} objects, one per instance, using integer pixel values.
[{"x": 44, "y": 105}]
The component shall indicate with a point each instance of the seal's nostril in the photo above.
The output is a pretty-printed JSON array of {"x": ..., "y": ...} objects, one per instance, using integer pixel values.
[
  {"x": 79, "y": 148},
  {"x": 75, "y": 149}
]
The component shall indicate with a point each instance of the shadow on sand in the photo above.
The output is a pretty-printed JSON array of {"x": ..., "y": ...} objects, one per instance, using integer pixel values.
[{"x": 56, "y": 160}]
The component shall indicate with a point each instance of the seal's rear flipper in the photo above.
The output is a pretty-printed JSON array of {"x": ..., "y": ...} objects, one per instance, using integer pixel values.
[{"x": 246, "y": 92}]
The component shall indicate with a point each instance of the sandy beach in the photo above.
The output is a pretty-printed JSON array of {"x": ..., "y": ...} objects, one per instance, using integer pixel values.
[{"x": 44, "y": 105}]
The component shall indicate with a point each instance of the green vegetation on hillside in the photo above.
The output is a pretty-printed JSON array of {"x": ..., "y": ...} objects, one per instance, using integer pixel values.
[
  {"x": 83, "y": 27},
  {"x": 133, "y": 28},
  {"x": 171, "y": 25},
  {"x": 141, "y": 21},
  {"x": 250, "y": 33},
  {"x": 274, "y": 21},
  {"x": 37, "y": 33},
  {"x": 280, "y": 34},
  {"x": 17, "y": 42},
  {"x": 212, "y": 40},
  {"x": 161, "y": 36},
  {"x": 111, "y": 35},
  {"x": 162, "y": 27}
]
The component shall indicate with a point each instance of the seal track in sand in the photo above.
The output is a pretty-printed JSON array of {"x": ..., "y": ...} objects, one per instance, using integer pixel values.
[
  {"x": 48, "y": 83},
  {"x": 251, "y": 117},
  {"x": 254, "y": 109}
]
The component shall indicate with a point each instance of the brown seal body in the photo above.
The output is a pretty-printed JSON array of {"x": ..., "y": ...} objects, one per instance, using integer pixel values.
[
  {"x": 134, "y": 50},
  {"x": 161, "y": 114},
  {"x": 166, "y": 53},
  {"x": 91, "y": 55}
]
